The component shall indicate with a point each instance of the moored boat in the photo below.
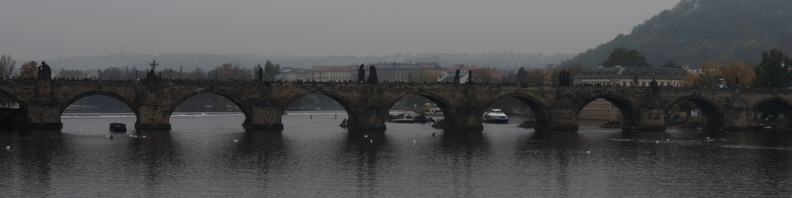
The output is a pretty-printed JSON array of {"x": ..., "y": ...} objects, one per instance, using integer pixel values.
[
  {"x": 117, "y": 127},
  {"x": 495, "y": 116}
]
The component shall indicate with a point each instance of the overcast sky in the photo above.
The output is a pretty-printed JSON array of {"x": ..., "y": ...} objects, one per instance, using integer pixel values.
[{"x": 47, "y": 29}]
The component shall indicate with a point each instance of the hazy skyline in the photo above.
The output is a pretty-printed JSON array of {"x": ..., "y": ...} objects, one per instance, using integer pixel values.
[{"x": 41, "y": 30}]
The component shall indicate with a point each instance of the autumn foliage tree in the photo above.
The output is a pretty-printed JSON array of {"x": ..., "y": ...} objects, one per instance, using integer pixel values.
[
  {"x": 737, "y": 74},
  {"x": 29, "y": 70},
  {"x": 487, "y": 75},
  {"x": 709, "y": 74}
]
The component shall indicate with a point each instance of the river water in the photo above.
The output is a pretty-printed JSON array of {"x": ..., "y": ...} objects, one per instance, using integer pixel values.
[{"x": 210, "y": 155}]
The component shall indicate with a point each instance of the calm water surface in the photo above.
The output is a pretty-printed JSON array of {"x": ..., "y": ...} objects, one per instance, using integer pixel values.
[{"x": 210, "y": 155}]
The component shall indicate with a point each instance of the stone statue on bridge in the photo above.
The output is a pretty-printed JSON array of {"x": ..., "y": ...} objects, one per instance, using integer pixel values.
[
  {"x": 361, "y": 74},
  {"x": 470, "y": 77},
  {"x": 372, "y": 75},
  {"x": 564, "y": 79},
  {"x": 456, "y": 77},
  {"x": 44, "y": 72},
  {"x": 151, "y": 76}
]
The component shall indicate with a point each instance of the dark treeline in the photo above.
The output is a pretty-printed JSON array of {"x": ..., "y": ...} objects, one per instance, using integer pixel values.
[{"x": 696, "y": 31}]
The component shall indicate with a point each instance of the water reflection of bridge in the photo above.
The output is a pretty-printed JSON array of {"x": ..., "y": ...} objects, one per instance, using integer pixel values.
[{"x": 263, "y": 103}]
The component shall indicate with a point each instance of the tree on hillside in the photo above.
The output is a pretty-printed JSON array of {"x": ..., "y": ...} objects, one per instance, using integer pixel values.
[
  {"x": 737, "y": 74},
  {"x": 169, "y": 73},
  {"x": 427, "y": 76},
  {"x": 6, "y": 66},
  {"x": 689, "y": 80},
  {"x": 671, "y": 64},
  {"x": 571, "y": 70},
  {"x": 696, "y": 31},
  {"x": 487, "y": 75},
  {"x": 271, "y": 70},
  {"x": 71, "y": 73},
  {"x": 111, "y": 73},
  {"x": 627, "y": 58},
  {"x": 773, "y": 71},
  {"x": 536, "y": 77},
  {"x": 258, "y": 71},
  {"x": 29, "y": 70},
  {"x": 710, "y": 74},
  {"x": 521, "y": 76},
  {"x": 196, "y": 74},
  {"x": 230, "y": 71}
]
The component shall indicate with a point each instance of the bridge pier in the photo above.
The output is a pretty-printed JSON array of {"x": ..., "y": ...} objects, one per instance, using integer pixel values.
[
  {"x": 652, "y": 119},
  {"x": 264, "y": 118},
  {"x": 43, "y": 116},
  {"x": 368, "y": 118},
  {"x": 153, "y": 117},
  {"x": 464, "y": 119},
  {"x": 561, "y": 119},
  {"x": 736, "y": 119}
]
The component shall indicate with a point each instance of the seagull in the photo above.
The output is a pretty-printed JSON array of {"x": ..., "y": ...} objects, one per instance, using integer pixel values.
[{"x": 236, "y": 140}]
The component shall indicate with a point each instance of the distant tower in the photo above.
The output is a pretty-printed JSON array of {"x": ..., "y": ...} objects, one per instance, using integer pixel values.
[{"x": 122, "y": 51}]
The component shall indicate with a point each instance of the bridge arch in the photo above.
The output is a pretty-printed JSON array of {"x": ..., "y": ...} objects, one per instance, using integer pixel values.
[
  {"x": 713, "y": 115},
  {"x": 8, "y": 97},
  {"x": 352, "y": 117},
  {"x": 69, "y": 101},
  {"x": 631, "y": 114},
  {"x": 449, "y": 114},
  {"x": 541, "y": 113},
  {"x": 343, "y": 101},
  {"x": 773, "y": 106},
  {"x": 245, "y": 109}
]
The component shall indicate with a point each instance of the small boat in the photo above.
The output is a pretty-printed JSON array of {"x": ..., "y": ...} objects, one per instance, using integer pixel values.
[
  {"x": 117, "y": 127},
  {"x": 407, "y": 117},
  {"x": 495, "y": 116},
  {"x": 612, "y": 124}
]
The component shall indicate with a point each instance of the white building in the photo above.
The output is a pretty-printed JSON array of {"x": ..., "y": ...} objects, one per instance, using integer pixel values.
[
  {"x": 601, "y": 109},
  {"x": 630, "y": 76}
]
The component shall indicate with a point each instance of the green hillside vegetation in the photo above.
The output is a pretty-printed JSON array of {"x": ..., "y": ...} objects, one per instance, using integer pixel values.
[{"x": 698, "y": 30}]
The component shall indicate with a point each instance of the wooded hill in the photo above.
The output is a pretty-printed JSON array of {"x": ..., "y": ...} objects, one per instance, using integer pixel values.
[{"x": 698, "y": 30}]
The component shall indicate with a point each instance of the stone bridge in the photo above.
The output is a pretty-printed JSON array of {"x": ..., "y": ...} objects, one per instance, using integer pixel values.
[{"x": 367, "y": 105}]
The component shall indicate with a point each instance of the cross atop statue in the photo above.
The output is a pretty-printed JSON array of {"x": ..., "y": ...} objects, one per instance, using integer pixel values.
[
  {"x": 153, "y": 64},
  {"x": 151, "y": 76}
]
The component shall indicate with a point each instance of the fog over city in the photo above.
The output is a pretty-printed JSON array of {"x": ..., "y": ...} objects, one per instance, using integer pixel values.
[{"x": 40, "y": 30}]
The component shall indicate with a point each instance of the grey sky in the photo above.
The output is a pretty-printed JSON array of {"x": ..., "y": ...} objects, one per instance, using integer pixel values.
[{"x": 46, "y": 29}]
